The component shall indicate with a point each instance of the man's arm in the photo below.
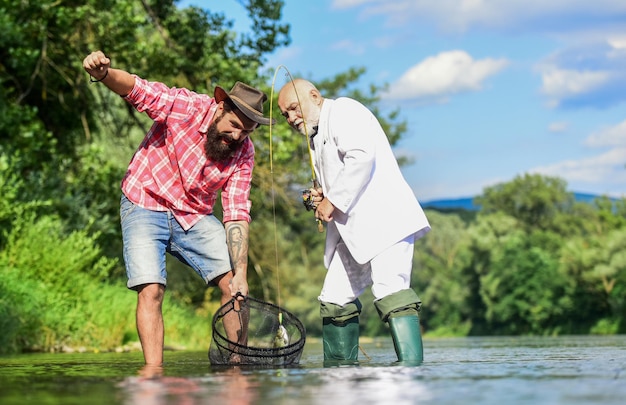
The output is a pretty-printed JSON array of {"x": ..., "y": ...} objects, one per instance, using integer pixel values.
[
  {"x": 237, "y": 242},
  {"x": 99, "y": 67}
]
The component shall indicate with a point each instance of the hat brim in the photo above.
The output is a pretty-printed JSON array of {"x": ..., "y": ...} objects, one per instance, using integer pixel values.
[{"x": 221, "y": 95}]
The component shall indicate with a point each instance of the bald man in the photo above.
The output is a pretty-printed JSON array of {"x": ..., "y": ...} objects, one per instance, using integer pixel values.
[{"x": 373, "y": 219}]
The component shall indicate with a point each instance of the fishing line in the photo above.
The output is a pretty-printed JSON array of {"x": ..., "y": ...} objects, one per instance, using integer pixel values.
[
  {"x": 271, "y": 157},
  {"x": 310, "y": 153},
  {"x": 280, "y": 317},
  {"x": 276, "y": 264}
]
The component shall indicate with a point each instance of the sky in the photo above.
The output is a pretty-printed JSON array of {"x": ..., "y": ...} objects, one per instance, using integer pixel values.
[{"x": 490, "y": 89}]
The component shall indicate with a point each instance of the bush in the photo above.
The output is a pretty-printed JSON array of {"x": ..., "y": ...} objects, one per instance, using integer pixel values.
[{"x": 55, "y": 294}]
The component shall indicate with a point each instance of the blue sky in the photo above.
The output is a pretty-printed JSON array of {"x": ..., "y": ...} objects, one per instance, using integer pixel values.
[{"x": 491, "y": 89}]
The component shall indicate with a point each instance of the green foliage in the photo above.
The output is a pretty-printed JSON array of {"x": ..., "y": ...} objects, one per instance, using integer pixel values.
[
  {"x": 437, "y": 275},
  {"x": 89, "y": 197},
  {"x": 20, "y": 310},
  {"x": 55, "y": 294},
  {"x": 606, "y": 327},
  {"x": 15, "y": 202},
  {"x": 57, "y": 273},
  {"x": 595, "y": 268},
  {"x": 553, "y": 275},
  {"x": 523, "y": 290},
  {"x": 29, "y": 248},
  {"x": 534, "y": 200}
]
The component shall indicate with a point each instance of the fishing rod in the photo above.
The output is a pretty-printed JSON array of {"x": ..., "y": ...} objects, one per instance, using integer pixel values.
[{"x": 306, "y": 194}]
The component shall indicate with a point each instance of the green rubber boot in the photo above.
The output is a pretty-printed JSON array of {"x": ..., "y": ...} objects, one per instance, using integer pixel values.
[
  {"x": 340, "y": 333},
  {"x": 341, "y": 342},
  {"x": 407, "y": 339},
  {"x": 401, "y": 310}
]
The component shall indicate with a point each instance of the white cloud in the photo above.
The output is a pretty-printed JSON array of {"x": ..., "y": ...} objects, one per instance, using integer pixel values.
[
  {"x": 612, "y": 136},
  {"x": 595, "y": 169},
  {"x": 606, "y": 168},
  {"x": 510, "y": 15},
  {"x": 618, "y": 42},
  {"x": 562, "y": 83},
  {"x": 588, "y": 73},
  {"x": 442, "y": 75}
]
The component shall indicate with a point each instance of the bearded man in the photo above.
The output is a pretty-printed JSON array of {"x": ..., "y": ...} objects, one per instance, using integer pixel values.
[{"x": 198, "y": 146}]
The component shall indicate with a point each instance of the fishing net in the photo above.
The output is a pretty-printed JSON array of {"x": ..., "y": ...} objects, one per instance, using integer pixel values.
[{"x": 276, "y": 337}]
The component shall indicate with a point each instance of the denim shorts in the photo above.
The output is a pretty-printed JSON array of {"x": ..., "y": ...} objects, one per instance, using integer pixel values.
[{"x": 148, "y": 234}]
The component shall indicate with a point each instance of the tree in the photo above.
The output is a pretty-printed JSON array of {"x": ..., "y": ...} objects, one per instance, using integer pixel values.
[
  {"x": 523, "y": 291},
  {"x": 534, "y": 200},
  {"x": 438, "y": 277},
  {"x": 596, "y": 268}
]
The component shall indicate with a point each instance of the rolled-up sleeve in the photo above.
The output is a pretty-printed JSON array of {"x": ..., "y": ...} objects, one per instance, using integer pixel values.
[{"x": 236, "y": 191}]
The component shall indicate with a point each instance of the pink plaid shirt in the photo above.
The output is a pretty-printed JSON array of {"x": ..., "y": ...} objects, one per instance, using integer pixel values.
[{"x": 170, "y": 171}]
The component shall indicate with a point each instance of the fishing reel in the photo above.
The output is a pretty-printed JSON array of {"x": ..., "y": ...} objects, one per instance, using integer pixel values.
[{"x": 307, "y": 200}]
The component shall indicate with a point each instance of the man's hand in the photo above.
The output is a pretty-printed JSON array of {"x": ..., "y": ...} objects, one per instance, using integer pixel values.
[
  {"x": 323, "y": 207},
  {"x": 97, "y": 65},
  {"x": 238, "y": 284}
]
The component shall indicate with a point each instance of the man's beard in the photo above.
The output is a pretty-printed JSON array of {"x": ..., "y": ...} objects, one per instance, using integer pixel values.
[{"x": 215, "y": 149}]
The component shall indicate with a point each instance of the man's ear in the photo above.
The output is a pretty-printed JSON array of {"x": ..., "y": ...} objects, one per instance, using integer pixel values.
[{"x": 316, "y": 97}]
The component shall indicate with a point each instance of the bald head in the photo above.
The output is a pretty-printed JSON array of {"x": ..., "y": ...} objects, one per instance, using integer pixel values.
[
  {"x": 300, "y": 86},
  {"x": 301, "y": 103}
]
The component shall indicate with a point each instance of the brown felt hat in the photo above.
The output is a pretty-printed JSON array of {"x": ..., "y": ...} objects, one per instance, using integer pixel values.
[{"x": 248, "y": 99}]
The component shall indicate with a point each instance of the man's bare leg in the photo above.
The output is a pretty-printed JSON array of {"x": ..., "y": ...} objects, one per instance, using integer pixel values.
[{"x": 150, "y": 322}]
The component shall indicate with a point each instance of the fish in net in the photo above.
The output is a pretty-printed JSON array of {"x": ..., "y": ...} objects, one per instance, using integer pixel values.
[{"x": 275, "y": 337}]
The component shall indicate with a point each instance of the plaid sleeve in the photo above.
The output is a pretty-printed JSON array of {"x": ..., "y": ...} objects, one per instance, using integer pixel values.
[
  {"x": 159, "y": 101},
  {"x": 236, "y": 191}
]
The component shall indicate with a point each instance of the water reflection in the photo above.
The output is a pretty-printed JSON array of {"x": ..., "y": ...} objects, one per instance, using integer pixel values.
[
  {"x": 369, "y": 385},
  {"x": 153, "y": 387},
  {"x": 563, "y": 370},
  {"x": 159, "y": 390},
  {"x": 237, "y": 388}
]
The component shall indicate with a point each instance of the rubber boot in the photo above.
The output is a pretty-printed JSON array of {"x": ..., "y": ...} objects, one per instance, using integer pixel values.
[
  {"x": 341, "y": 342},
  {"x": 401, "y": 310},
  {"x": 407, "y": 339}
]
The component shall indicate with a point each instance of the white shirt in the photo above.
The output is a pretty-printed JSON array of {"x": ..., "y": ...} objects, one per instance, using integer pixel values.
[{"x": 354, "y": 163}]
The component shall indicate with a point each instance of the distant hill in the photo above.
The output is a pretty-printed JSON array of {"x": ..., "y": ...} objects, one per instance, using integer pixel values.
[
  {"x": 451, "y": 204},
  {"x": 468, "y": 202}
]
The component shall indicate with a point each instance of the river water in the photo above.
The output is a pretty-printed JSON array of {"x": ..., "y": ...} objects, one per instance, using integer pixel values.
[{"x": 503, "y": 370}]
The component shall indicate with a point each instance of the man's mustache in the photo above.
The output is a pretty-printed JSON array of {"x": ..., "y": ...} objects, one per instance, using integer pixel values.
[{"x": 226, "y": 137}]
